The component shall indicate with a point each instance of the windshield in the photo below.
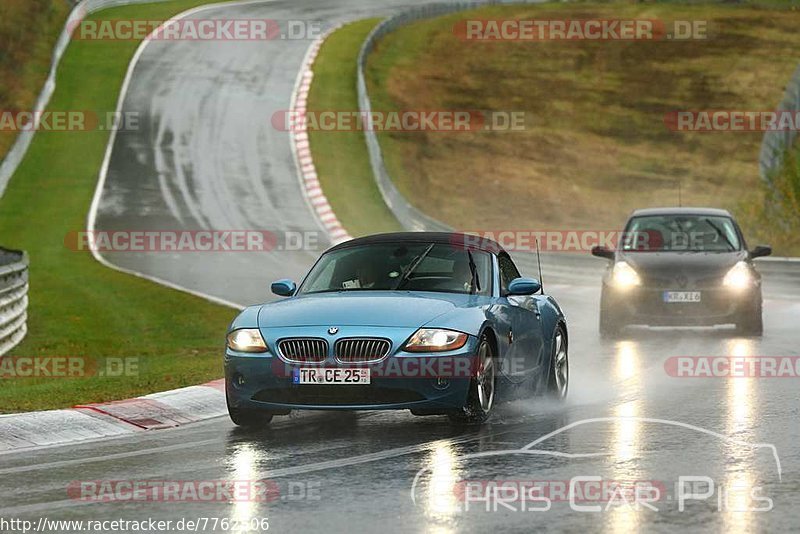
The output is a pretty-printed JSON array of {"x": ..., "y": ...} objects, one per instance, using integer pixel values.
[
  {"x": 681, "y": 233},
  {"x": 401, "y": 266}
]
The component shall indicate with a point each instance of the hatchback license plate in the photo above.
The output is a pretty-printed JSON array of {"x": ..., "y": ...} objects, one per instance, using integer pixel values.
[
  {"x": 681, "y": 296},
  {"x": 335, "y": 376}
]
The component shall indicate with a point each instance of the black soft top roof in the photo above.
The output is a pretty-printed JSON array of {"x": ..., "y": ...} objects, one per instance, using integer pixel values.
[{"x": 447, "y": 238}]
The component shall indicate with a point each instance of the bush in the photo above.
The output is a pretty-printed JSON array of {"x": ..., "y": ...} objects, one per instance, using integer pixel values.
[{"x": 777, "y": 218}]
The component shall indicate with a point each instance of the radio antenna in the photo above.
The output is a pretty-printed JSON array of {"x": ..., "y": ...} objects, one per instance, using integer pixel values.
[{"x": 539, "y": 261}]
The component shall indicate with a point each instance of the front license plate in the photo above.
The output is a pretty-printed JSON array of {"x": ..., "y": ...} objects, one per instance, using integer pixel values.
[
  {"x": 681, "y": 296},
  {"x": 321, "y": 375}
]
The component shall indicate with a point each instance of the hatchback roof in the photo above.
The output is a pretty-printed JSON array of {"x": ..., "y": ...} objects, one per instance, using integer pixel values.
[{"x": 681, "y": 211}]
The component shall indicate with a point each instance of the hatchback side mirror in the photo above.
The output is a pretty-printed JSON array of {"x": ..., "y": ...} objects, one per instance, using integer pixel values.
[
  {"x": 761, "y": 251},
  {"x": 524, "y": 286},
  {"x": 602, "y": 252},
  {"x": 284, "y": 287}
]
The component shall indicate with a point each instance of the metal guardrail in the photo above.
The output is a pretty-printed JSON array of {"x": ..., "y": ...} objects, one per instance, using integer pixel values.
[
  {"x": 18, "y": 150},
  {"x": 775, "y": 143},
  {"x": 409, "y": 217},
  {"x": 14, "y": 264},
  {"x": 13, "y": 298},
  {"x": 779, "y": 273}
]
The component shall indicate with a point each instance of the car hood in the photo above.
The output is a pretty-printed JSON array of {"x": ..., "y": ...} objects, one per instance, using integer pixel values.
[
  {"x": 693, "y": 264},
  {"x": 366, "y": 308}
]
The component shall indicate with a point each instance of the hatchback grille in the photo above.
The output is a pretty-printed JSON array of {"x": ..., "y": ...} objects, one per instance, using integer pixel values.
[
  {"x": 304, "y": 349},
  {"x": 362, "y": 349}
]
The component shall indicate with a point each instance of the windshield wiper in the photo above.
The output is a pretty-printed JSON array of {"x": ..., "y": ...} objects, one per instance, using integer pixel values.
[
  {"x": 473, "y": 269},
  {"x": 719, "y": 233},
  {"x": 411, "y": 266}
]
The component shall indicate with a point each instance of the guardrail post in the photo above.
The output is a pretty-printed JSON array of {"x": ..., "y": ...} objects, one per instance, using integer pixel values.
[{"x": 13, "y": 298}]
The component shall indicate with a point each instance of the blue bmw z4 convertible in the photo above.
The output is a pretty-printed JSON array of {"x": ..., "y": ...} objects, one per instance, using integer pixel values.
[{"x": 435, "y": 323}]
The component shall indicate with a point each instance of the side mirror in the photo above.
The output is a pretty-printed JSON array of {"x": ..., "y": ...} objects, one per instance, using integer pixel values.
[
  {"x": 284, "y": 287},
  {"x": 602, "y": 252},
  {"x": 524, "y": 286},
  {"x": 761, "y": 251}
]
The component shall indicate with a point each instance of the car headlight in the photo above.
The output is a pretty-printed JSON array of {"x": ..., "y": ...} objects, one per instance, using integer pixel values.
[
  {"x": 624, "y": 276},
  {"x": 435, "y": 340},
  {"x": 246, "y": 340},
  {"x": 738, "y": 277}
]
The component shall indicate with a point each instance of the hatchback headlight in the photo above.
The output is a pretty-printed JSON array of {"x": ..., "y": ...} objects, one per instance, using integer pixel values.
[
  {"x": 739, "y": 277},
  {"x": 435, "y": 340},
  {"x": 246, "y": 340},
  {"x": 624, "y": 276}
]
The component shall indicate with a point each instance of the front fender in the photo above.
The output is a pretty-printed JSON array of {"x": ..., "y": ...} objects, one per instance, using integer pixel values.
[
  {"x": 552, "y": 315},
  {"x": 475, "y": 321},
  {"x": 248, "y": 318},
  {"x": 467, "y": 320}
]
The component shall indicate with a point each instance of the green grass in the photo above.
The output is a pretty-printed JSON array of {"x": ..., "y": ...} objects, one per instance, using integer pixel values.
[
  {"x": 595, "y": 145},
  {"x": 341, "y": 157},
  {"x": 28, "y": 32},
  {"x": 77, "y": 306}
]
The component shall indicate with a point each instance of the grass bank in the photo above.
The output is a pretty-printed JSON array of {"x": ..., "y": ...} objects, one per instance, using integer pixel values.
[
  {"x": 78, "y": 307},
  {"x": 595, "y": 144},
  {"x": 341, "y": 157},
  {"x": 28, "y": 32}
]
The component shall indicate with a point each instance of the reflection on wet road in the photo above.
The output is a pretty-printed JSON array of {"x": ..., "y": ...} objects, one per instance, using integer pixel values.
[
  {"x": 331, "y": 471},
  {"x": 632, "y": 421}
]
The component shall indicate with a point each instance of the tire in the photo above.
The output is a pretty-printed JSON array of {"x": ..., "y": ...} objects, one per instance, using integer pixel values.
[
  {"x": 610, "y": 325},
  {"x": 558, "y": 375},
  {"x": 609, "y": 328},
  {"x": 751, "y": 322},
  {"x": 480, "y": 398},
  {"x": 247, "y": 418}
]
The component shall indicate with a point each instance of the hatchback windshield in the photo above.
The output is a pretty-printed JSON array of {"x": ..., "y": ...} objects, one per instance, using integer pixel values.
[
  {"x": 681, "y": 233},
  {"x": 401, "y": 266}
]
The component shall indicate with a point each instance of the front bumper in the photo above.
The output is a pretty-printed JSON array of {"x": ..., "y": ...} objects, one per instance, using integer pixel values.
[
  {"x": 422, "y": 383},
  {"x": 646, "y": 306}
]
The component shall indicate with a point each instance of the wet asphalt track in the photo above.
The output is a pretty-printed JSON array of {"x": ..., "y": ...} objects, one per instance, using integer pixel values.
[
  {"x": 208, "y": 158},
  {"x": 359, "y": 469}
]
